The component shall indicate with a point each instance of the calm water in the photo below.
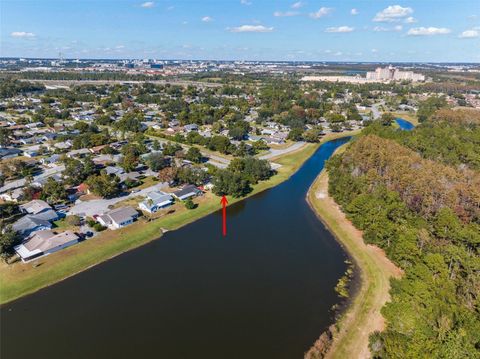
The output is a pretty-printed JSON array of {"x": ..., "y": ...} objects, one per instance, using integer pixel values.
[
  {"x": 264, "y": 291},
  {"x": 404, "y": 124}
]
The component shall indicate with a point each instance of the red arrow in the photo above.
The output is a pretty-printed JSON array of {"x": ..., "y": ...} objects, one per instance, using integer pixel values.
[{"x": 224, "y": 202}]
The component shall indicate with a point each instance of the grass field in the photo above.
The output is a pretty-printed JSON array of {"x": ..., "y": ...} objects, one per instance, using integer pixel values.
[
  {"x": 363, "y": 314},
  {"x": 19, "y": 279},
  {"x": 407, "y": 116}
]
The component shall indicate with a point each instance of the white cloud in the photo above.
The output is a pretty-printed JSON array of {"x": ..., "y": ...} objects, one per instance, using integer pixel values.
[
  {"x": 251, "y": 28},
  {"x": 119, "y": 47},
  {"x": 285, "y": 14},
  {"x": 392, "y": 13},
  {"x": 386, "y": 29},
  {"x": 22, "y": 34},
  {"x": 297, "y": 5},
  {"x": 374, "y": 51},
  {"x": 410, "y": 20},
  {"x": 428, "y": 31},
  {"x": 323, "y": 11},
  {"x": 207, "y": 19},
  {"x": 469, "y": 34},
  {"x": 245, "y": 2},
  {"x": 148, "y": 4},
  {"x": 339, "y": 29},
  {"x": 354, "y": 12}
]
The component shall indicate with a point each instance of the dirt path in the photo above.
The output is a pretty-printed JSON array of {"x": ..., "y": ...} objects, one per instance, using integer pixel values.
[{"x": 363, "y": 316}]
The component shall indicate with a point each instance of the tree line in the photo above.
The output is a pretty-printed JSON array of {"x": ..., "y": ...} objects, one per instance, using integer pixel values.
[{"x": 426, "y": 216}]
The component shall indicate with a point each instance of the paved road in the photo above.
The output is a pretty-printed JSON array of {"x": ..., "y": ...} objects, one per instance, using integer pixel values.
[
  {"x": 21, "y": 182},
  {"x": 100, "y": 206},
  {"x": 278, "y": 152}
]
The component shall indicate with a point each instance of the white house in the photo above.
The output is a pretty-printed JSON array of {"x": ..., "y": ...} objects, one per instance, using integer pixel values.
[
  {"x": 42, "y": 243},
  {"x": 118, "y": 218},
  {"x": 154, "y": 201}
]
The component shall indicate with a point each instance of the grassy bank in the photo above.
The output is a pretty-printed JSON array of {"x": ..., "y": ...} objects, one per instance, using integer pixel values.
[
  {"x": 18, "y": 279},
  {"x": 412, "y": 118},
  {"x": 363, "y": 314}
]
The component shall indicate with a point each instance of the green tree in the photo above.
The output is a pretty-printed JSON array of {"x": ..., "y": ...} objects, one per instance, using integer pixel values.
[
  {"x": 194, "y": 155},
  {"x": 229, "y": 183},
  {"x": 189, "y": 204},
  {"x": 104, "y": 185},
  {"x": 54, "y": 191},
  {"x": 8, "y": 239},
  {"x": 295, "y": 134}
]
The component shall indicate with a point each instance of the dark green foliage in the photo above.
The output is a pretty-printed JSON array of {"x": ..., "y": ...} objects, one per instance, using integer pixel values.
[
  {"x": 104, "y": 185},
  {"x": 76, "y": 171},
  {"x": 251, "y": 169},
  {"x": 427, "y": 108},
  {"x": 193, "y": 154},
  {"x": 54, "y": 191},
  {"x": 295, "y": 134},
  {"x": 156, "y": 161},
  {"x": 12, "y": 87},
  {"x": 8, "y": 239},
  {"x": 230, "y": 183},
  {"x": 192, "y": 175},
  {"x": 189, "y": 204},
  {"x": 449, "y": 142},
  {"x": 402, "y": 204},
  {"x": 171, "y": 148}
]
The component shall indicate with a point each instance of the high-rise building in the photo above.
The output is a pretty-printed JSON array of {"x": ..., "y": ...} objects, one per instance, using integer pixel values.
[{"x": 390, "y": 73}]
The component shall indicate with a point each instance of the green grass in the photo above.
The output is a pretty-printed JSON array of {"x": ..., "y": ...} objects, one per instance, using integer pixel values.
[{"x": 19, "y": 279}]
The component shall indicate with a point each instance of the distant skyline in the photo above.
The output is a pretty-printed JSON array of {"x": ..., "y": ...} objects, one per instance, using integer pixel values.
[{"x": 375, "y": 31}]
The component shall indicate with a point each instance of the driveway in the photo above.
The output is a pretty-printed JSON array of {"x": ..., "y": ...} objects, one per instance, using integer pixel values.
[{"x": 100, "y": 206}]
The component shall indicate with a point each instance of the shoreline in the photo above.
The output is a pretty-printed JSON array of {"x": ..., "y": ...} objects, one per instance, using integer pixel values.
[
  {"x": 361, "y": 314},
  {"x": 19, "y": 279}
]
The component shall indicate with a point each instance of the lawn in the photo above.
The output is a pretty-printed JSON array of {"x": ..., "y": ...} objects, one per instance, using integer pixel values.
[{"x": 19, "y": 279}]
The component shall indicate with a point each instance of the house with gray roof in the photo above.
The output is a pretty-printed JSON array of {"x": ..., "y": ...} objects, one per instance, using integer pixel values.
[
  {"x": 154, "y": 201},
  {"x": 35, "y": 206},
  {"x": 186, "y": 192},
  {"x": 118, "y": 218},
  {"x": 45, "y": 242},
  {"x": 29, "y": 224}
]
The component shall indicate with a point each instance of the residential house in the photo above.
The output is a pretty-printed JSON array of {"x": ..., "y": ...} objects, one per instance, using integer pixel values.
[
  {"x": 118, "y": 218},
  {"x": 35, "y": 206},
  {"x": 82, "y": 152},
  {"x": 29, "y": 224},
  {"x": 45, "y": 242},
  {"x": 6, "y": 153},
  {"x": 190, "y": 128},
  {"x": 155, "y": 200},
  {"x": 186, "y": 192},
  {"x": 51, "y": 161}
]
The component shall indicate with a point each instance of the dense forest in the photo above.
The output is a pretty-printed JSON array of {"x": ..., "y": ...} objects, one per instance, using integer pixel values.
[
  {"x": 421, "y": 204},
  {"x": 13, "y": 87},
  {"x": 451, "y": 137}
]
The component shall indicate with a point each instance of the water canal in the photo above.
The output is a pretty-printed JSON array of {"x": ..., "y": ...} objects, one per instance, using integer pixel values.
[{"x": 264, "y": 291}]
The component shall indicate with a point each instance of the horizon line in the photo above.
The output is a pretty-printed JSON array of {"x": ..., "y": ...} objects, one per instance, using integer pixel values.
[{"x": 244, "y": 60}]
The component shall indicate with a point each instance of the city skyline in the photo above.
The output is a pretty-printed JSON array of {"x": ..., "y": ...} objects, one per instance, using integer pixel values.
[{"x": 383, "y": 31}]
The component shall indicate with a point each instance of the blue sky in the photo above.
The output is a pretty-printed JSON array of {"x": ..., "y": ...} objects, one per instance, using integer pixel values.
[{"x": 427, "y": 30}]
